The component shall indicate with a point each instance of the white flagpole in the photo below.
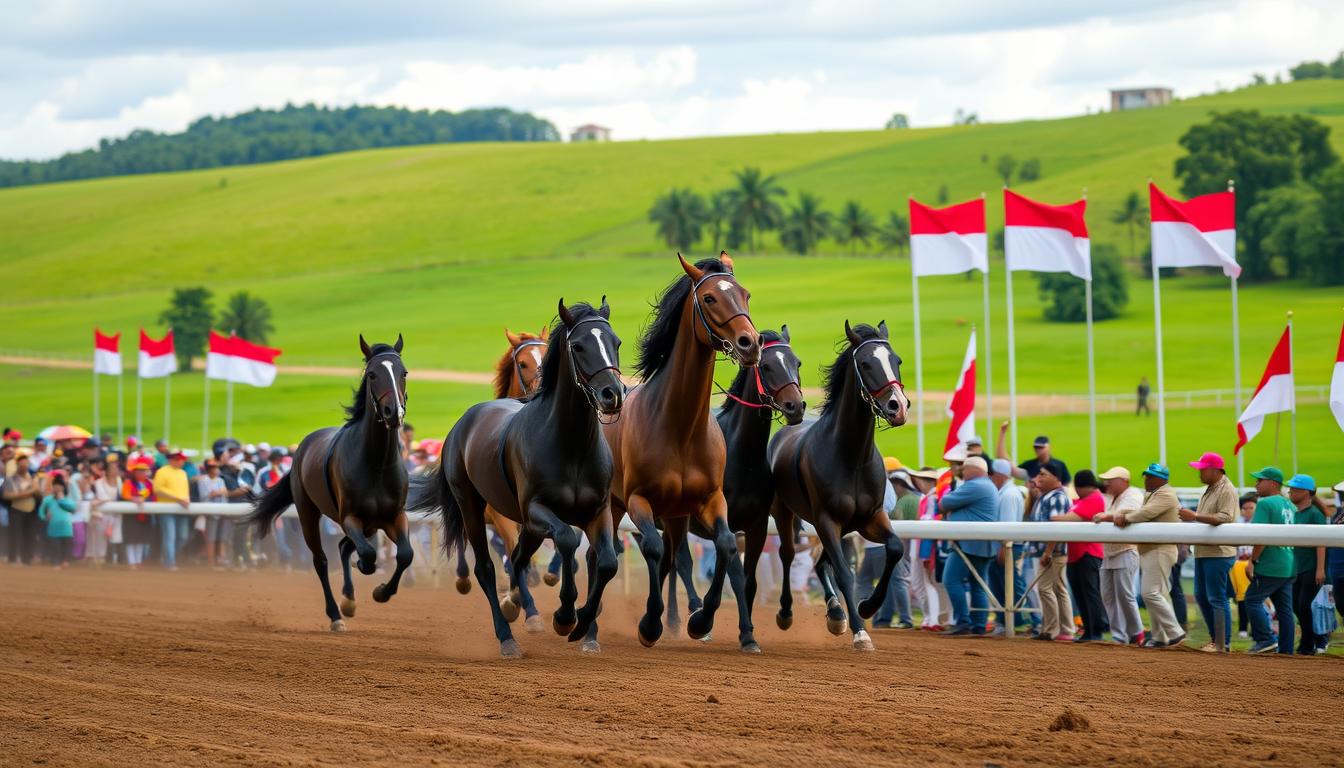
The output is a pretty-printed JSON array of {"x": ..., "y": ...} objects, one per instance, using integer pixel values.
[
  {"x": 95, "y": 401},
  {"x": 205, "y": 417},
  {"x": 1236, "y": 368},
  {"x": 139, "y": 402},
  {"x": 989, "y": 354},
  {"x": 120, "y": 400},
  {"x": 919, "y": 367},
  {"x": 1091, "y": 377},
  {"x": 1161, "y": 379},
  {"x": 1012, "y": 364},
  {"x": 1292, "y": 415},
  {"x": 228, "y": 407},
  {"x": 167, "y": 403}
]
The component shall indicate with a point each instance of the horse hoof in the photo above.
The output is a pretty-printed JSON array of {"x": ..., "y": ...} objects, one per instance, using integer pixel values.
[
  {"x": 699, "y": 625},
  {"x": 590, "y": 647},
  {"x": 751, "y": 647},
  {"x": 709, "y": 637},
  {"x": 509, "y": 649},
  {"x": 509, "y": 609},
  {"x": 649, "y": 631},
  {"x": 534, "y": 624},
  {"x": 551, "y": 579},
  {"x": 862, "y": 642},
  {"x": 348, "y": 607},
  {"x": 463, "y": 585},
  {"x": 837, "y": 626},
  {"x": 563, "y": 628},
  {"x": 783, "y": 621},
  {"x": 380, "y": 594},
  {"x": 338, "y": 625}
]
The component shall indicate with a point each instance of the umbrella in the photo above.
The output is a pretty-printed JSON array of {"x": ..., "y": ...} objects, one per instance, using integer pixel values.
[{"x": 66, "y": 432}]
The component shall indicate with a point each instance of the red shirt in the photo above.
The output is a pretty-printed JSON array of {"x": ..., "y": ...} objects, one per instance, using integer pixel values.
[{"x": 1087, "y": 508}]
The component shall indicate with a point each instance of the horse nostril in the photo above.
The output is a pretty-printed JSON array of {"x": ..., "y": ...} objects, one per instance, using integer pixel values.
[
  {"x": 608, "y": 395},
  {"x": 744, "y": 341}
]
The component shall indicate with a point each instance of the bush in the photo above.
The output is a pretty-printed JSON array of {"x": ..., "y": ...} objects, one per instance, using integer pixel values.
[{"x": 1064, "y": 295}]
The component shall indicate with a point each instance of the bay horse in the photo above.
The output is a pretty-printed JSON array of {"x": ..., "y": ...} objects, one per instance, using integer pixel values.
[
  {"x": 354, "y": 475},
  {"x": 543, "y": 464},
  {"x": 669, "y": 452},
  {"x": 750, "y": 403},
  {"x": 829, "y": 473}
]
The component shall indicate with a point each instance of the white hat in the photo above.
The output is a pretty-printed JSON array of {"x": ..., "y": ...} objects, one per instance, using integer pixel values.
[
  {"x": 1114, "y": 473},
  {"x": 263, "y": 446},
  {"x": 956, "y": 453},
  {"x": 975, "y": 440},
  {"x": 249, "y": 448},
  {"x": 1339, "y": 487}
]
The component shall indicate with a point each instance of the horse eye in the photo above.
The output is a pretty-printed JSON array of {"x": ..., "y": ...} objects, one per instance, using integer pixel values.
[{"x": 710, "y": 300}]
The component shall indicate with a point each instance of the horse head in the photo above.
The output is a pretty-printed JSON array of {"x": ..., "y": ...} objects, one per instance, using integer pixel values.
[
  {"x": 721, "y": 305},
  {"x": 594, "y": 355},
  {"x": 877, "y": 370},
  {"x": 385, "y": 381},
  {"x": 525, "y": 354},
  {"x": 777, "y": 375}
]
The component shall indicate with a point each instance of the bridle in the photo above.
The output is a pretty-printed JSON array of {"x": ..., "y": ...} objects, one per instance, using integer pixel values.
[
  {"x": 517, "y": 369},
  {"x": 767, "y": 395},
  {"x": 870, "y": 396},
  {"x": 378, "y": 399},
  {"x": 581, "y": 377},
  {"x": 715, "y": 340}
]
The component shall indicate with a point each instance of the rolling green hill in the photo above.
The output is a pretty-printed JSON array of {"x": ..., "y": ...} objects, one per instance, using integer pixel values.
[{"x": 450, "y": 243}]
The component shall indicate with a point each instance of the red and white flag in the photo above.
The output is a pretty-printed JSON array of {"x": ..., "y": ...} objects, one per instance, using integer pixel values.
[
  {"x": 948, "y": 241},
  {"x": 961, "y": 408},
  {"x": 1337, "y": 383},
  {"x": 231, "y": 358},
  {"x": 1201, "y": 232},
  {"x": 1274, "y": 395},
  {"x": 1046, "y": 238},
  {"x": 106, "y": 353},
  {"x": 156, "y": 356}
]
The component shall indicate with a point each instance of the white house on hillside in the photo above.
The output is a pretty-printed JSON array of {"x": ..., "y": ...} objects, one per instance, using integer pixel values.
[
  {"x": 590, "y": 132},
  {"x": 1139, "y": 98}
]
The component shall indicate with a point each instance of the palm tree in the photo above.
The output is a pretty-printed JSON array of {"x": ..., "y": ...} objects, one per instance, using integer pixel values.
[
  {"x": 854, "y": 225},
  {"x": 719, "y": 217},
  {"x": 680, "y": 214},
  {"x": 807, "y": 224},
  {"x": 754, "y": 204},
  {"x": 247, "y": 316},
  {"x": 1131, "y": 215},
  {"x": 895, "y": 234}
]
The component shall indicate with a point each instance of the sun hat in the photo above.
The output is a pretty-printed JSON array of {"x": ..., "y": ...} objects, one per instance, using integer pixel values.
[
  {"x": 1001, "y": 467},
  {"x": 891, "y": 464},
  {"x": 926, "y": 473},
  {"x": 955, "y": 453},
  {"x": 1303, "y": 482},
  {"x": 1269, "y": 473},
  {"x": 1209, "y": 460},
  {"x": 1115, "y": 473},
  {"x": 977, "y": 461}
]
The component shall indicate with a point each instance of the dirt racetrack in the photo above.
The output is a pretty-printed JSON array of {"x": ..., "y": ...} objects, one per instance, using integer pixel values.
[{"x": 206, "y": 668}]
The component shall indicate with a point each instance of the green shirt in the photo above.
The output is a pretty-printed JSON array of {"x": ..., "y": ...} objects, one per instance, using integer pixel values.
[
  {"x": 1275, "y": 562},
  {"x": 1305, "y": 557},
  {"x": 907, "y": 507}
]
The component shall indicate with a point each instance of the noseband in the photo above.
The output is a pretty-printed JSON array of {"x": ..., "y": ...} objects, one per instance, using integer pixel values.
[
  {"x": 870, "y": 396},
  {"x": 715, "y": 340},
  {"x": 581, "y": 377},
  {"x": 378, "y": 400},
  {"x": 517, "y": 369},
  {"x": 767, "y": 395}
]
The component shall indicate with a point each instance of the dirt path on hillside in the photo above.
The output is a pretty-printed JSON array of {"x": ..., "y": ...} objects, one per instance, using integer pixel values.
[{"x": 112, "y": 668}]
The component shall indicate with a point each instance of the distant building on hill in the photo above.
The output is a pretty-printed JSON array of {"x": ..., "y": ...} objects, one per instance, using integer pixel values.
[
  {"x": 590, "y": 132},
  {"x": 1139, "y": 98}
]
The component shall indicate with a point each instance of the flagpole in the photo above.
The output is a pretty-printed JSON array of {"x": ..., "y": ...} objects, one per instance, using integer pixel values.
[
  {"x": 139, "y": 403},
  {"x": 120, "y": 400},
  {"x": 1236, "y": 366},
  {"x": 1292, "y": 414},
  {"x": 167, "y": 403},
  {"x": 95, "y": 401},
  {"x": 919, "y": 366},
  {"x": 1091, "y": 362},
  {"x": 989, "y": 352},
  {"x": 1012, "y": 363},
  {"x": 228, "y": 407},
  {"x": 1161, "y": 377},
  {"x": 205, "y": 417}
]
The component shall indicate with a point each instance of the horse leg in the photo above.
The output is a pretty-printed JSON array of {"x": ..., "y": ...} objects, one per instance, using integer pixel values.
[
  {"x": 463, "y": 582},
  {"x": 651, "y": 546},
  {"x": 601, "y": 570},
  {"x": 473, "y": 526},
  {"x": 673, "y": 615},
  {"x": 879, "y": 529},
  {"x": 347, "y": 548},
  {"x": 309, "y": 521},
  {"x": 835, "y": 612},
  {"x": 566, "y": 543},
  {"x": 399, "y": 531},
  {"x": 755, "y": 544},
  {"x": 674, "y": 538},
  {"x": 520, "y": 594},
  {"x": 830, "y": 538},
  {"x": 686, "y": 570},
  {"x": 784, "y": 529},
  {"x": 368, "y": 555},
  {"x": 715, "y": 516}
]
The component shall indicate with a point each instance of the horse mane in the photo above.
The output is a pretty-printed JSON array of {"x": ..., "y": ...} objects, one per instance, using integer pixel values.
[
  {"x": 558, "y": 344},
  {"x": 833, "y": 378},
  {"x": 739, "y": 386},
  {"x": 504, "y": 371},
  {"x": 355, "y": 410},
  {"x": 655, "y": 343}
]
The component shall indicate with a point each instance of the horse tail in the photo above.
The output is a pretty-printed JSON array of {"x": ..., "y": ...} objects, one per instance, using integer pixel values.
[
  {"x": 429, "y": 492},
  {"x": 270, "y": 505}
]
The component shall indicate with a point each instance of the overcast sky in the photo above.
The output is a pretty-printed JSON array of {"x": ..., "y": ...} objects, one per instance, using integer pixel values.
[{"x": 75, "y": 71}]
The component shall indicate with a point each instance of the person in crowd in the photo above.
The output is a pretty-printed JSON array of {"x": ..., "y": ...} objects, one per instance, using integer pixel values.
[
  {"x": 239, "y": 478},
  {"x": 1056, "y": 609},
  {"x": 160, "y": 454},
  {"x": 1333, "y": 502},
  {"x": 976, "y": 499},
  {"x": 874, "y": 554},
  {"x": 1270, "y": 569},
  {"x": 138, "y": 528},
  {"x": 40, "y": 456},
  {"x": 1179, "y": 603},
  {"x": 81, "y": 491},
  {"x": 105, "y": 527},
  {"x": 1156, "y": 561},
  {"x": 134, "y": 450},
  {"x": 1084, "y": 558},
  {"x": 210, "y": 488},
  {"x": 172, "y": 485},
  {"x": 976, "y": 447},
  {"x": 58, "y": 512},
  {"x": 286, "y": 530},
  {"x": 1241, "y": 581},
  {"x": 264, "y": 453},
  {"x": 1213, "y": 563},
  {"x": 1120, "y": 562},
  {"x": 1011, "y": 508},
  {"x": 22, "y": 495},
  {"x": 1044, "y": 458},
  {"x": 924, "y": 587},
  {"x": 1308, "y": 564},
  {"x": 1143, "y": 391}
]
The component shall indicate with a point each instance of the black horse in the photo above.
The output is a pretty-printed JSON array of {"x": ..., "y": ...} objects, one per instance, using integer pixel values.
[
  {"x": 745, "y": 417},
  {"x": 542, "y": 463},
  {"x": 829, "y": 473},
  {"x": 354, "y": 475}
]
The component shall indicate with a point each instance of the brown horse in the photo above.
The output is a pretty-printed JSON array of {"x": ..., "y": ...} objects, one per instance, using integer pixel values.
[{"x": 668, "y": 450}]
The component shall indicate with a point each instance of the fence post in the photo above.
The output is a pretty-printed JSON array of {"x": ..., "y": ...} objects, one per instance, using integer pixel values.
[{"x": 1009, "y": 599}]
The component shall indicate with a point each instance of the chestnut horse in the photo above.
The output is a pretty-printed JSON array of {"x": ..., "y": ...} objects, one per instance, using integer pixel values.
[
  {"x": 353, "y": 475},
  {"x": 829, "y": 473},
  {"x": 543, "y": 464},
  {"x": 669, "y": 451}
]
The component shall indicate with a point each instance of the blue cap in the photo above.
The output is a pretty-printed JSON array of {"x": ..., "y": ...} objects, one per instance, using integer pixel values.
[
  {"x": 1158, "y": 471},
  {"x": 1303, "y": 483}
]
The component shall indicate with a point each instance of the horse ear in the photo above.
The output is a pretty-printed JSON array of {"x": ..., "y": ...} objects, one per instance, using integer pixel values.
[
  {"x": 854, "y": 338},
  {"x": 604, "y": 310},
  {"x": 882, "y": 329},
  {"x": 514, "y": 339},
  {"x": 398, "y": 345},
  {"x": 364, "y": 346},
  {"x": 784, "y": 333},
  {"x": 565, "y": 316},
  {"x": 726, "y": 260},
  {"x": 545, "y": 333},
  {"x": 692, "y": 271}
]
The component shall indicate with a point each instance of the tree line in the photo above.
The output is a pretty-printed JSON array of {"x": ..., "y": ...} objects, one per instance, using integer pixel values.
[
  {"x": 268, "y": 135},
  {"x": 1319, "y": 70}
]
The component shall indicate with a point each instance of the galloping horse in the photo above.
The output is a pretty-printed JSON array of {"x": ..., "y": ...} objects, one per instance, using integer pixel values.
[
  {"x": 829, "y": 473},
  {"x": 745, "y": 417},
  {"x": 542, "y": 463},
  {"x": 669, "y": 451},
  {"x": 354, "y": 475}
]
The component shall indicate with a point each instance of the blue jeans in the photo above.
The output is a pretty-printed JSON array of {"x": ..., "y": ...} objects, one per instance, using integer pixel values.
[
  {"x": 173, "y": 531},
  {"x": 1211, "y": 592},
  {"x": 1280, "y": 592},
  {"x": 957, "y": 578},
  {"x": 898, "y": 592}
]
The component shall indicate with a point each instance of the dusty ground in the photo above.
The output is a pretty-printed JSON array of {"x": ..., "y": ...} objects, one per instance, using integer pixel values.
[{"x": 199, "y": 667}]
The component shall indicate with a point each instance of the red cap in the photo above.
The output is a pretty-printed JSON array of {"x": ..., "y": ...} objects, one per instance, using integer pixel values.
[{"x": 1209, "y": 460}]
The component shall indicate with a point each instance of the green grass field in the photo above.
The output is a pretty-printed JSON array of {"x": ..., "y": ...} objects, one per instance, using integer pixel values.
[{"x": 448, "y": 244}]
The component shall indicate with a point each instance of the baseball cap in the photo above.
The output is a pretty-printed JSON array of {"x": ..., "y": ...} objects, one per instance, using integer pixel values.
[
  {"x": 176, "y": 453},
  {"x": 263, "y": 446},
  {"x": 976, "y": 461},
  {"x": 1269, "y": 473},
  {"x": 1209, "y": 460},
  {"x": 975, "y": 440},
  {"x": 132, "y": 440},
  {"x": 1302, "y": 483},
  {"x": 955, "y": 453},
  {"x": 1001, "y": 467},
  {"x": 1115, "y": 473},
  {"x": 249, "y": 448},
  {"x": 1158, "y": 471},
  {"x": 1040, "y": 441}
]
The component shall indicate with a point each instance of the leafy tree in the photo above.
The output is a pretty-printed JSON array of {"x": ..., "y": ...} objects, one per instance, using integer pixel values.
[
  {"x": 755, "y": 207},
  {"x": 894, "y": 235},
  {"x": 1131, "y": 215},
  {"x": 898, "y": 121},
  {"x": 806, "y": 225},
  {"x": 1064, "y": 296},
  {"x": 247, "y": 316},
  {"x": 1030, "y": 170},
  {"x": 1258, "y": 79},
  {"x": 719, "y": 218},
  {"x": 1329, "y": 265},
  {"x": 680, "y": 215},
  {"x": 1005, "y": 166},
  {"x": 189, "y": 315},
  {"x": 1310, "y": 70},
  {"x": 854, "y": 225}
]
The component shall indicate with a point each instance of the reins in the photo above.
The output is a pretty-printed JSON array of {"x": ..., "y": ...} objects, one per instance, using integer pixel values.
[
  {"x": 517, "y": 369},
  {"x": 378, "y": 399},
  {"x": 581, "y": 377},
  {"x": 767, "y": 395},
  {"x": 715, "y": 340},
  {"x": 870, "y": 396}
]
